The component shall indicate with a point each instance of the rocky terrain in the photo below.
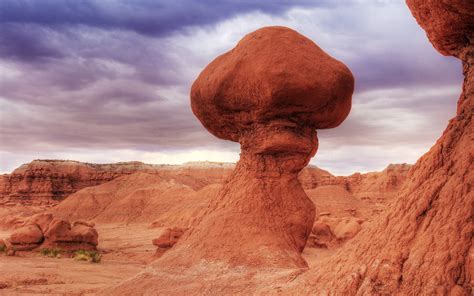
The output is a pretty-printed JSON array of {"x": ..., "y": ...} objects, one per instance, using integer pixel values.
[
  {"x": 137, "y": 215},
  {"x": 41, "y": 174},
  {"x": 180, "y": 181},
  {"x": 46, "y": 182},
  {"x": 50, "y": 181},
  {"x": 224, "y": 229}
]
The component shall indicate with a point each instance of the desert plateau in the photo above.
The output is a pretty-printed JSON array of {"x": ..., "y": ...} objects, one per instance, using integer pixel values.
[{"x": 221, "y": 148}]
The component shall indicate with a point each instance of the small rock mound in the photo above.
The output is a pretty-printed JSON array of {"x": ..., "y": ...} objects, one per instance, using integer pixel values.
[
  {"x": 62, "y": 235},
  {"x": 331, "y": 232},
  {"x": 167, "y": 239},
  {"x": 27, "y": 238},
  {"x": 45, "y": 231}
]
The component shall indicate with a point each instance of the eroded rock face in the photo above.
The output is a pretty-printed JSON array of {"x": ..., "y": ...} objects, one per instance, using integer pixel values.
[
  {"x": 45, "y": 231},
  {"x": 26, "y": 238},
  {"x": 47, "y": 182},
  {"x": 168, "y": 238},
  {"x": 62, "y": 235},
  {"x": 270, "y": 93},
  {"x": 448, "y": 24},
  {"x": 50, "y": 181}
]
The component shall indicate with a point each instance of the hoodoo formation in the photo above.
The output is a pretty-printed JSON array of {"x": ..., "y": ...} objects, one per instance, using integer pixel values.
[
  {"x": 220, "y": 229},
  {"x": 270, "y": 93}
]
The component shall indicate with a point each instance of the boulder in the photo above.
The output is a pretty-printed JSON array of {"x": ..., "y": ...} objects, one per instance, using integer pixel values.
[
  {"x": 322, "y": 235},
  {"x": 78, "y": 237},
  {"x": 27, "y": 235},
  {"x": 168, "y": 237},
  {"x": 347, "y": 229},
  {"x": 84, "y": 234}
]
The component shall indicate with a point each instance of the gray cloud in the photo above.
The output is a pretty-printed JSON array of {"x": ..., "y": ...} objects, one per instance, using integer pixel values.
[{"x": 112, "y": 76}]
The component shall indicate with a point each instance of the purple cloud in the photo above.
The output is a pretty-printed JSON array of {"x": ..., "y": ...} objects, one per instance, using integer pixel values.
[{"x": 95, "y": 75}]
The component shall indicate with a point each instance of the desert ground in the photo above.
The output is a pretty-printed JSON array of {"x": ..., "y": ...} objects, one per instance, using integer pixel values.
[{"x": 176, "y": 195}]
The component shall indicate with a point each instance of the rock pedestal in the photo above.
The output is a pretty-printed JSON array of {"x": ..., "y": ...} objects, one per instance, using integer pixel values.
[{"x": 270, "y": 93}]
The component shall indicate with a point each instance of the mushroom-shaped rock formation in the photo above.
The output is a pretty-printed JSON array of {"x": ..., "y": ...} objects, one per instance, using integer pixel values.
[{"x": 270, "y": 93}]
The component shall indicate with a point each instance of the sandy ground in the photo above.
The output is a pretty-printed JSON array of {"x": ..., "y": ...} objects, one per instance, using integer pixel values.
[{"x": 127, "y": 249}]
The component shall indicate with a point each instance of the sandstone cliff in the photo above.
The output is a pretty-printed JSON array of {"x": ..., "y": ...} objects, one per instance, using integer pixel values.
[{"x": 50, "y": 181}]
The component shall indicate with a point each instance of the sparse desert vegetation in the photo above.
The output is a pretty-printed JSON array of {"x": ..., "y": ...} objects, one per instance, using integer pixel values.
[
  {"x": 53, "y": 253},
  {"x": 90, "y": 256}
]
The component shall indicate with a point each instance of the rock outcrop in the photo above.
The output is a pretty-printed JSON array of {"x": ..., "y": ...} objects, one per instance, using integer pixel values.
[
  {"x": 168, "y": 238},
  {"x": 151, "y": 198},
  {"x": 377, "y": 186},
  {"x": 27, "y": 238},
  {"x": 45, "y": 231},
  {"x": 79, "y": 236},
  {"x": 50, "y": 181},
  {"x": 270, "y": 93}
]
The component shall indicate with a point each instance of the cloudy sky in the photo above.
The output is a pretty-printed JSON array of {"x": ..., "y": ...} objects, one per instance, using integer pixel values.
[{"x": 108, "y": 81}]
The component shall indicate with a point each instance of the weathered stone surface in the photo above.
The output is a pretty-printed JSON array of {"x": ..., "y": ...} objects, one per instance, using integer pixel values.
[
  {"x": 347, "y": 229},
  {"x": 274, "y": 78},
  {"x": 322, "y": 235},
  {"x": 168, "y": 237},
  {"x": 29, "y": 234},
  {"x": 50, "y": 181},
  {"x": 60, "y": 234},
  {"x": 41, "y": 220},
  {"x": 449, "y": 24},
  {"x": 424, "y": 244}
]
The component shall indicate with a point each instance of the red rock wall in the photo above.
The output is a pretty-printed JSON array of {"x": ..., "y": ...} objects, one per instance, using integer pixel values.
[{"x": 50, "y": 181}]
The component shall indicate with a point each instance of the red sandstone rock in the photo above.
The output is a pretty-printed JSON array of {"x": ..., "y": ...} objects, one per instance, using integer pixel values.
[
  {"x": 379, "y": 186},
  {"x": 26, "y": 238},
  {"x": 147, "y": 198},
  {"x": 84, "y": 223},
  {"x": 50, "y": 181},
  {"x": 323, "y": 235},
  {"x": 79, "y": 237},
  {"x": 41, "y": 220},
  {"x": 270, "y": 93},
  {"x": 30, "y": 234},
  {"x": 449, "y": 24},
  {"x": 347, "y": 229},
  {"x": 168, "y": 237},
  {"x": 424, "y": 244}
]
